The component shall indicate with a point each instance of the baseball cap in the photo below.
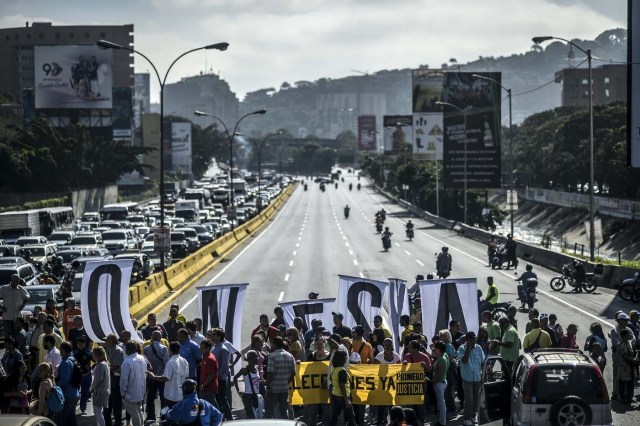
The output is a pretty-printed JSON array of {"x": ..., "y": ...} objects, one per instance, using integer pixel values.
[
  {"x": 623, "y": 317},
  {"x": 633, "y": 313},
  {"x": 337, "y": 314}
]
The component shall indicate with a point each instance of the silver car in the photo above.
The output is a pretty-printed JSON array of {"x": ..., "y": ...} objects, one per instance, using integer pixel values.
[{"x": 548, "y": 386}]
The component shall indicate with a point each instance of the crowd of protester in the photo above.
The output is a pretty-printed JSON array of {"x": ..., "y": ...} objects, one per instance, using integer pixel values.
[{"x": 52, "y": 368}]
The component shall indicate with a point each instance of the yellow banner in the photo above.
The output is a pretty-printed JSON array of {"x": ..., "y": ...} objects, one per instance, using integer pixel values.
[{"x": 371, "y": 384}]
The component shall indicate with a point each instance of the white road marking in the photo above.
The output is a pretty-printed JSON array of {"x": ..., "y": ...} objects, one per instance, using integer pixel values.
[
  {"x": 408, "y": 254},
  {"x": 295, "y": 252},
  {"x": 355, "y": 262},
  {"x": 419, "y": 263},
  {"x": 361, "y": 275},
  {"x": 297, "y": 244},
  {"x": 291, "y": 263},
  {"x": 351, "y": 252},
  {"x": 286, "y": 278},
  {"x": 281, "y": 296},
  {"x": 483, "y": 262},
  {"x": 397, "y": 245}
]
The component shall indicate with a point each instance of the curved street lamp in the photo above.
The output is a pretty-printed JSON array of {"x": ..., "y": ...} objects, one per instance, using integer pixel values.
[
  {"x": 464, "y": 142},
  {"x": 106, "y": 45},
  {"x": 592, "y": 238},
  {"x": 230, "y": 136},
  {"x": 259, "y": 150},
  {"x": 482, "y": 77}
]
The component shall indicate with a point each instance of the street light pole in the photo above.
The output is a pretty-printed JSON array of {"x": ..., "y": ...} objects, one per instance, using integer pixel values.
[
  {"x": 592, "y": 237},
  {"x": 106, "y": 45},
  {"x": 259, "y": 150},
  {"x": 230, "y": 136},
  {"x": 482, "y": 77},
  {"x": 464, "y": 142}
]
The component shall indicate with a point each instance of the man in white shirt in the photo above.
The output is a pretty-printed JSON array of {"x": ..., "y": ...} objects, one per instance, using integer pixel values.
[
  {"x": 52, "y": 355},
  {"x": 133, "y": 382},
  {"x": 175, "y": 373},
  {"x": 14, "y": 297}
]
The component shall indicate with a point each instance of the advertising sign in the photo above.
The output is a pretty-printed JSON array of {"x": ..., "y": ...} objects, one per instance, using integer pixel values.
[
  {"x": 427, "y": 90},
  {"x": 162, "y": 239},
  {"x": 633, "y": 83},
  {"x": 366, "y": 133},
  {"x": 472, "y": 134},
  {"x": 141, "y": 96},
  {"x": 78, "y": 77},
  {"x": 428, "y": 135},
  {"x": 398, "y": 133},
  {"x": 122, "y": 112},
  {"x": 181, "y": 147}
]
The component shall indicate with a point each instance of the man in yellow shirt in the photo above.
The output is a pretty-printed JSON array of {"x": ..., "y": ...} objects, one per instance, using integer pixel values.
[
  {"x": 536, "y": 338},
  {"x": 408, "y": 328},
  {"x": 377, "y": 323}
]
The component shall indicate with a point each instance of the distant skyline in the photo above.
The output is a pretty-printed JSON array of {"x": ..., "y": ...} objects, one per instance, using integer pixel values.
[{"x": 276, "y": 41}]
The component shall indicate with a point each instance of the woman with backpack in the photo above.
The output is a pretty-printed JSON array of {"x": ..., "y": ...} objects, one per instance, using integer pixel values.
[{"x": 40, "y": 406}]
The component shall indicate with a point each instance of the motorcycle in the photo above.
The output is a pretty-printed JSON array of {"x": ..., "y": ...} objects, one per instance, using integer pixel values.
[
  {"x": 322, "y": 187},
  {"x": 527, "y": 293},
  {"x": 378, "y": 228},
  {"x": 305, "y": 187},
  {"x": 346, "y": 213},
  {"x": 359, "y": 187},
  {"x": 336, "y": 185},
  {"x": 386, "y": 243},
  {"x": 342, "y": 179},
  {"x": 499, "y": 257},
  {"x": 350, "y": 186},
  {"x": 568, "y": 276},
  {"x": 628, "y": 288},
  {"x": 409, "y": 232}
]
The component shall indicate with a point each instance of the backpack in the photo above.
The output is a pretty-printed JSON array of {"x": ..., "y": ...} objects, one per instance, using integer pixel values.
[
  {"x": 55, "y": 400},
  {"x": 76, "y": 375}
]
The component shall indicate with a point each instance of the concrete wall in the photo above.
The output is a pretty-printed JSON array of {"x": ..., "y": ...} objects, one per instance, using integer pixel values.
[{"x": 91, "y": 200}]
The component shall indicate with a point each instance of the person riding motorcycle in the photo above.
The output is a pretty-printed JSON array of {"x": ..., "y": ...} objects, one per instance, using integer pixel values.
[
  {"x": 444, "y": 263},
  {"x": 386, "y": 238},
  {"x": 492, "y": 297},
  {"x": 379, "y": 222},
  {"x": 347, "y": 209},
  {"x": 522, "y": 289},
  {"x": 409, "y": 229},
  {"x": 190, "y": 408},
  {"x": 359, "y": 186},
  {"x": 350, "y": 186}
]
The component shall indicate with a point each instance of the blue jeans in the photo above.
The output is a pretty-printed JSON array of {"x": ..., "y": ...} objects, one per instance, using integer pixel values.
[
  {"x": 67, "y": 417},
  {"x": 442, "y": 407},
  {"x": 85, "y": 384}
]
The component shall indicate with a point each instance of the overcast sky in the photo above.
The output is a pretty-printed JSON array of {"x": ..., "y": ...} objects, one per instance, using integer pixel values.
[{"x": 272, "y": 41}]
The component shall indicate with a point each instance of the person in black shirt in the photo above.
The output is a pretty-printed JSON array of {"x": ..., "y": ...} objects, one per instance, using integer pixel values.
[
  {"x": 173, "y": 325},
  {"x": 78, "y": 332},
  {"x": 152, "y": 325},
  {"x": 338, "y": 327},
  {"x": 83, "y": 356},
  {"x": 279, "y": 319}
]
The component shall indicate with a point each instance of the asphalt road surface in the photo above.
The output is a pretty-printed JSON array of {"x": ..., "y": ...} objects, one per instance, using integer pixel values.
[{"x": 309, "y": 243}]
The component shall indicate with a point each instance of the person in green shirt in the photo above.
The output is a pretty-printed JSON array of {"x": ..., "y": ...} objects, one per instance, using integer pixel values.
[
  {"x": 493, "y": 328},
  {"x": 440, "y": 367},
  {"x": 510, "y": 343}
]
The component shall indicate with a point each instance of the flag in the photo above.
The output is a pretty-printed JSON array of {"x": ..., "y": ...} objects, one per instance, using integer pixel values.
[
  {"x": 104, "y": 299},
  {"x": 309, "y": 310},
  {"x": 221, "y": 306},
  {"x": 360, "y": 299},
  {"x": 444, "y": 300}
]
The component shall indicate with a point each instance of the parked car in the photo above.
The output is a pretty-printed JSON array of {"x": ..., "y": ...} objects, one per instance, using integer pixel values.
[
  {"x": 12, "y": 260},
  {"x": 179, "y": 245},
  {"x": 138, "y": 258},
  {"x": 69, "y": 256},
  {"x": 155, "y": 257},
  {"x": 26, "y": 271},
  {"x": 41, "y": 254},
  {"x": 548, "y": 386},
  {"x": 204, "y": 234},
  {"x": 38, "y": 295}
]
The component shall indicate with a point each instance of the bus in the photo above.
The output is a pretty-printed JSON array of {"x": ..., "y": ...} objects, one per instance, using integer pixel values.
[{"x": 118, "y": 211}]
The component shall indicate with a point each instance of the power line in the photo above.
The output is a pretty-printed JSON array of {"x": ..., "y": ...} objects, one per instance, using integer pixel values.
[{"x": 550, "y": 82}]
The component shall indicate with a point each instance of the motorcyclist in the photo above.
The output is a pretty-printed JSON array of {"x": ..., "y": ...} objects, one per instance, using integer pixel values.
[
  {"x": 492, "y": 297},
  {"x": 187, "y": 411},
  {"x": 347, "y": 209},
  {"x": 492, "y": 246},
  {"x": 359, "y": 186},
  {"x": 522, "y": 293},
  {"x": 379, "y": 222},
  {"x": 350, "y": 186},
  {"x": 580, "y": 276},
  {"x": 409, "y": 225},
  {"x": 409, "y": 229},
  {"x": 444, "y": 263},
  {"x": 386, "y": 238}
]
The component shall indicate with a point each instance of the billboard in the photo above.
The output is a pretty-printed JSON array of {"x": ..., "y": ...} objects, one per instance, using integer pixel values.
[
  {"x": 367, "y": 133},
  {"x": 428, "y": 135},
  {"x": 141, "y": 96},
  {"x": 427, "y": 90},
  {"x": 181, "y": 148},
  {"x": 76, "y": 77},
  {"x": 397, "y": 133},
  {"x": 633, "y": 83},
  {"x": 474, "y": 133},
  {"x": 121, "y": 114}
]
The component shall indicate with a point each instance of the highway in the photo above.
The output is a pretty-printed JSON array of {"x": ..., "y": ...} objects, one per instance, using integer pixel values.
[{"x": 309, "y": 243}]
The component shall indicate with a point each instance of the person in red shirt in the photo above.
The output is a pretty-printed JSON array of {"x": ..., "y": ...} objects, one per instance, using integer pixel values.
[
  {"x": 270, "y": 331},
  {"x": 208, "y": 373},
  {"x": 68, "y": 316}
]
